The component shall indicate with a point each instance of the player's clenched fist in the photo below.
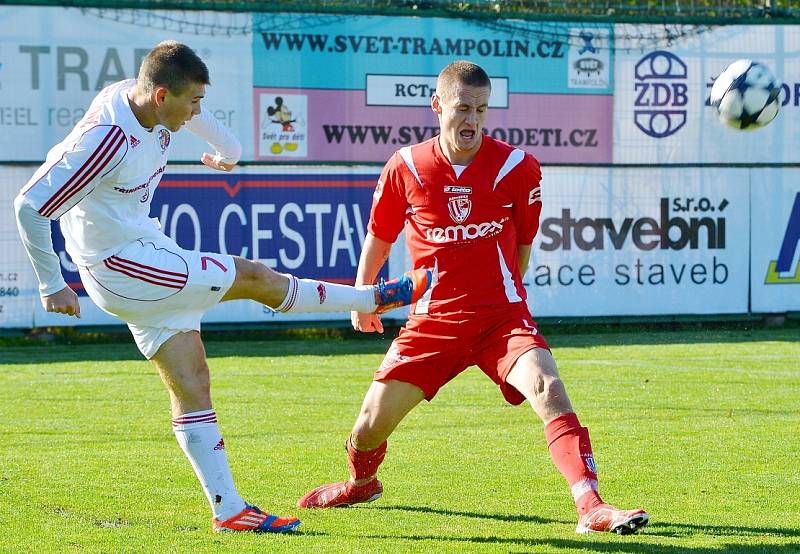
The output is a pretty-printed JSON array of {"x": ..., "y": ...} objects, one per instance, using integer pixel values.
[
  {"x": 64, "y": 301},
  {"x": 215, "y": 162},
  {"x": 366, "y": 323}
]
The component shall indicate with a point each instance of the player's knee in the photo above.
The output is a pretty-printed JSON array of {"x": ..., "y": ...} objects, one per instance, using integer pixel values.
[
  {"x": 544, "y": 386},
  {"x": 192, "y": 382},
  {"x": 252, "y": 274},
  {"x": 249, "y": 272}
]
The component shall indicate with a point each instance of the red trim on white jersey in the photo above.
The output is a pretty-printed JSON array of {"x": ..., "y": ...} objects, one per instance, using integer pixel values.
[{"x": 91, "y": 168}]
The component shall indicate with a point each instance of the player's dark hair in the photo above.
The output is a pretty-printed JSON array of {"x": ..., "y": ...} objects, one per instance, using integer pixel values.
[
  {"x": 172, "y": 65},
  {"x": 464, "y": 73}
]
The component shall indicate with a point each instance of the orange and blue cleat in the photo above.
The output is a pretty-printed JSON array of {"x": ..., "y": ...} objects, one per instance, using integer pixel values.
[
  {"x": 253, "y": 520},
  {"x": 403, "y": 290}
]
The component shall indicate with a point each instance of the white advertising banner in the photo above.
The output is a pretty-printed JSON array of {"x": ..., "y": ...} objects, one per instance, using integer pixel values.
[
  {"x": 18, "y": 284},
  {"x": 641, "y": 242},
  {"x": 661, "y": 109},
  {"x": 310, "y": 222},
  {"x": 53, "y": 61},
  {"x": 775, "y": 236},
  {"x": 612, "y": 242}
]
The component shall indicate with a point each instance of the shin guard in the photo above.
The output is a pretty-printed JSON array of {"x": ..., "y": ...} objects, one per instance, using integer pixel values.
[{"x": 571, "y": 452}]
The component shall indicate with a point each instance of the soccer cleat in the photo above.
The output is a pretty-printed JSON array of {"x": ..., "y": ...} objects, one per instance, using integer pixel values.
[
  {"x": 341, "y": 495},
  {"x": 608, "y": 518},
  {"x": 403, "y": 290},
  {"x": 254, "y": 520}
]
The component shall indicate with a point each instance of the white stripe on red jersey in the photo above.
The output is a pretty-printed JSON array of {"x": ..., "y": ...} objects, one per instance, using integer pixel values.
[
  {"x": 511, "y": 162},
  {"x": 405, "y": 153}
]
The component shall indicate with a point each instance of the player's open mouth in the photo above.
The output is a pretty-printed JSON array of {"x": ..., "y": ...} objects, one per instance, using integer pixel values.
[{"x": 467, "y": 135}]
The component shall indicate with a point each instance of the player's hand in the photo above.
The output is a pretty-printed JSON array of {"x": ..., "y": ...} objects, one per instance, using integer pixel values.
[
  {"x": 366, "y": 323},
  {"x": 64, "y": 301},
  {"x": 215, "y": 162}
]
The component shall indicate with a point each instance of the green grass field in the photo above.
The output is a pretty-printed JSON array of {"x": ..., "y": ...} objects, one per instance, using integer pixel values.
[{"x": 702, "y": 428}]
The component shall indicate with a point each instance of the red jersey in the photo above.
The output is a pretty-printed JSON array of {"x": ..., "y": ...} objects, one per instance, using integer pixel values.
[{"x": 466, "y": 227}]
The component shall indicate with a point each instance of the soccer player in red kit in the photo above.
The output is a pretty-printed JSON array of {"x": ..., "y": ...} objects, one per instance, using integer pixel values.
[{"x": 470, "y": 207}]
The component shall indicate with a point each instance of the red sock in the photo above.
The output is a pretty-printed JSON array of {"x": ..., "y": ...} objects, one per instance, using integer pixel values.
[
  {"x": 364, "y": 464},
  {"x": 571, "y": 451}
]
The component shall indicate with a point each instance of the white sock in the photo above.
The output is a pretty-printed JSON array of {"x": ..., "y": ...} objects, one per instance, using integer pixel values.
[
  {"x": 199, "y": 437},
  {"x": 308, "y": 295}
]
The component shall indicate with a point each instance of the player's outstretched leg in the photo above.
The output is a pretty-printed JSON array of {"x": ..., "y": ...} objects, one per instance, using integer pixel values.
[
  {"x": 253, "y": 520},
  {"x": 290, "y": 294},
  {"x": 363, "y": 485}
]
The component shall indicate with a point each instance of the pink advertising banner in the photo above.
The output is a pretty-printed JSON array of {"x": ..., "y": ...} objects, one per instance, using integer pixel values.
[{"x": 309, "y": 125}]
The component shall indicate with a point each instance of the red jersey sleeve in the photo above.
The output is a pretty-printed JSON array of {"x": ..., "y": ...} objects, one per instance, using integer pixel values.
[
  {"x": 389, "y": 204},
  {"x": 527, "y": 199}
]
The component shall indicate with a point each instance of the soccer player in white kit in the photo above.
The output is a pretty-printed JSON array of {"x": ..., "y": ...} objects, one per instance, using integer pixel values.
[{"x": 99, "y": 181}]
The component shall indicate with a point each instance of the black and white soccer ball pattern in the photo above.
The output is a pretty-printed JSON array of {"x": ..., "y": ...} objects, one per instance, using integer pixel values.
[{"x": 746, "y": 95}]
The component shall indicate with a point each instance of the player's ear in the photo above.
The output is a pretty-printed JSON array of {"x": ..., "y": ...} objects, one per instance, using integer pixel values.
[
  {"x": 159, "y": 94},
  {"x": 436, "y": 104}
]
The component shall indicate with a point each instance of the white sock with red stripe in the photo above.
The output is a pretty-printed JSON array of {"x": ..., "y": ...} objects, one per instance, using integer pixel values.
[
  {"x": 199, "y": 437},
  {"x": 308, "y": 295}
]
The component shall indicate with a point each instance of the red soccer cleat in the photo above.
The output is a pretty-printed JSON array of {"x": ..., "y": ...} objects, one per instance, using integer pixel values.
[
  {"x": 341, "y": 495},
  {"x": 402, "y": 291},
  {"x": 608, "y": 518},
  {"x": 254, "y": 520}
]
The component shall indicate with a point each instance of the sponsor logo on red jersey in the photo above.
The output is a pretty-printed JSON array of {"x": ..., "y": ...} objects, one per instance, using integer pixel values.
[
  {"x": 458, "y": 190},
  {"x": 456, "y": 233}
]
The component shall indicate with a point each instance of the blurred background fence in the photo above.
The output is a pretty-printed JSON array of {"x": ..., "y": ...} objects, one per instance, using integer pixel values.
[{"x": 651, "y": 206}]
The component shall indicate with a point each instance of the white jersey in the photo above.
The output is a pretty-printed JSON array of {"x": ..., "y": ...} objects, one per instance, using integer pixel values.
[{"x": 101, "y": 178}]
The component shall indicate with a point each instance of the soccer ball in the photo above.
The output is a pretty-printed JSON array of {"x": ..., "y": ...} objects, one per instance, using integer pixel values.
[{"x": 745, "y": 95}]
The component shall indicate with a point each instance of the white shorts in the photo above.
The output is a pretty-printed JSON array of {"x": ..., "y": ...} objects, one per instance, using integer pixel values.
[{"x": 158, "y": 288}]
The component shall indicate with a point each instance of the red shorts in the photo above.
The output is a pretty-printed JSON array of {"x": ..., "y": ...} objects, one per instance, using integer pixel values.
[{"x": 432, "y": 349}]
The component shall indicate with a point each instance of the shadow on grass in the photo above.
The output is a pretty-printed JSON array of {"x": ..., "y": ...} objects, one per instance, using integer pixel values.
[
  {"x": 674, "y": 529},
  {"x": 659, "y": 529},
  {"x": 629, "y": 544},
  {"x": 116, "y": 344},
  {"x": 497, "y": 517}
]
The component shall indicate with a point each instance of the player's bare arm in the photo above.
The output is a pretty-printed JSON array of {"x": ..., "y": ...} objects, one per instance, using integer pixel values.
[
  {"x": 523, "y": 257},
  {"x": 373, "y": 256},
  {"x": 64, "y": 301}
]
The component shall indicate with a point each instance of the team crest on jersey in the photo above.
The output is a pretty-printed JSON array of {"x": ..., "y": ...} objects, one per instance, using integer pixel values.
[
  {"x": 163, "y": 140},
  {"x": 459, "y": 208},
  {"x": 135, "y": 142}
]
